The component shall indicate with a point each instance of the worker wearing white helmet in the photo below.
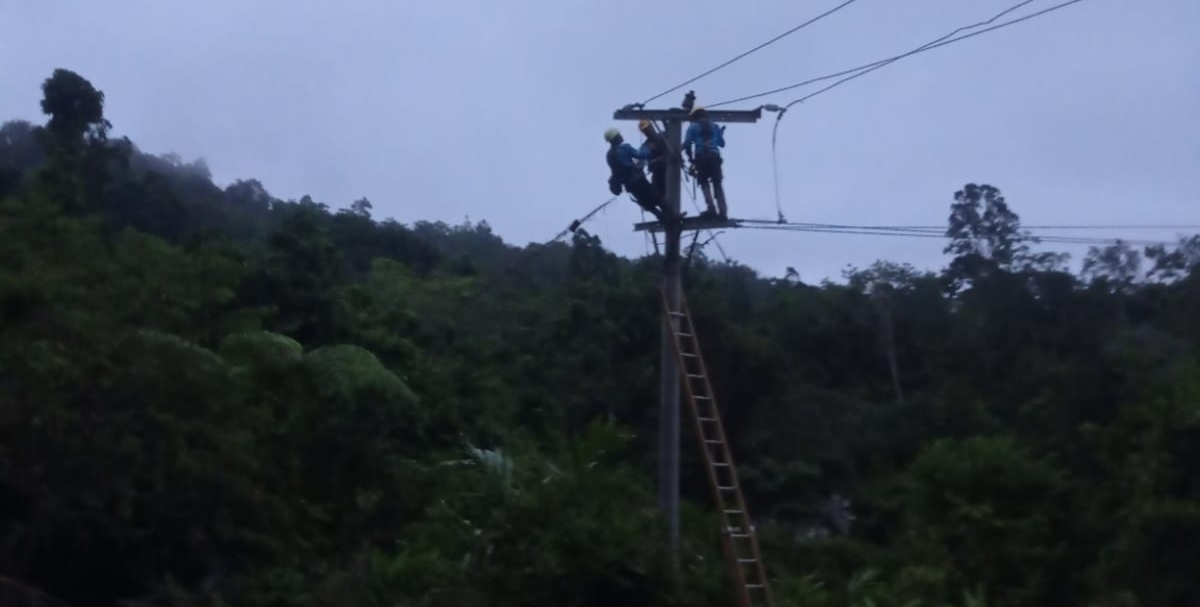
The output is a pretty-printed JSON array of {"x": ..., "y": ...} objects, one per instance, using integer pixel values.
[{"x": 627, "y": 165}]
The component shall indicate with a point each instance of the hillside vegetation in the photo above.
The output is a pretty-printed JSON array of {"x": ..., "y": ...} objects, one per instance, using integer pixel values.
[{"x": 209, "y": 396}]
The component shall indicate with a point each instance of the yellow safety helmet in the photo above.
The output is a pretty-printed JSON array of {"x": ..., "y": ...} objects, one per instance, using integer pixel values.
[
  {"x": 699, "y": 109},
  {"x": 611, "y": 134},
  {"x": 644, "y": 125}
]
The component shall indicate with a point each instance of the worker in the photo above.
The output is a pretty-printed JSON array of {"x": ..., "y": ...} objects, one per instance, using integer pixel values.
[
  {"x": 626, "y": 164},
  {"x": 707, "y": 139},
  {"x": 654, "y": 150}
]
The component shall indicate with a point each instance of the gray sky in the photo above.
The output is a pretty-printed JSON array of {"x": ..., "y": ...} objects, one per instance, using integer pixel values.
[{"x": 495, "y": 109}]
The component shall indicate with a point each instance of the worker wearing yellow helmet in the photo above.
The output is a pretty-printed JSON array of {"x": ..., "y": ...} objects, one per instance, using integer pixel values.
[
  {"x": 626, "y": 164},
  {"x": 654, "y": 150},
  {"x": 707, "y": 139}
]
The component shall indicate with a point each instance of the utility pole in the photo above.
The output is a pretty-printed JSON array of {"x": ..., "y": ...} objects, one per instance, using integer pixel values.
[
  {"x": 668, "y": 407},
  {"x": 669, "y": 418}
]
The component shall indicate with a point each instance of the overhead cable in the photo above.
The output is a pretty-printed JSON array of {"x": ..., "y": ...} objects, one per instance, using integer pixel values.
[
  {"x": 868, "y": 232},
  {"x": 753, "y": 50},
  {"x": 527, "y": 254},
  {"x": 582, "y": 220},
  {"x": 938, "y": 43},
  {"x": 870, "y": 67},
  {"x": 932, "y": 45},
  {"x": 936, "y": 228}
]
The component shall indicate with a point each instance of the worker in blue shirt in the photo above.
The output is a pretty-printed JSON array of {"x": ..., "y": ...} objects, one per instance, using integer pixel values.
[
  {"x": 707, "y": 139},
  {"x": 627, "y": 165}
]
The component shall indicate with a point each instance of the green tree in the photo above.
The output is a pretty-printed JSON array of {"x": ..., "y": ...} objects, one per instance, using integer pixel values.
[
  {"x": 211, "y": 396},
  {"x": 985, "y": 511},
  {"x": 1117, "y": 265},
  {"x": 75, "y": 107}
]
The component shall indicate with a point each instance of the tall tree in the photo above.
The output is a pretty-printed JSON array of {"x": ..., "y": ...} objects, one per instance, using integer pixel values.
[
  {"x": 75, "y": 107},
  {"x": 985, "y": 234},
  {"x": 1173, "y": 263},
  {"x": 1117, "y": 265},
  {"x": 75, "y": 140}
]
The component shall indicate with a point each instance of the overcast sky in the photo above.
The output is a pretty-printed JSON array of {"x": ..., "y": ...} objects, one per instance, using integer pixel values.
[{"x": 495, "y": 109}]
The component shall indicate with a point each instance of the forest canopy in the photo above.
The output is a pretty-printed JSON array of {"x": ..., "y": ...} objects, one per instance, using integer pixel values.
[{"x": 209, "y": 395}]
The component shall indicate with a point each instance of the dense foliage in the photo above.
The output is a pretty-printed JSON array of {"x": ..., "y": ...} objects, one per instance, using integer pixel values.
[{"x": 211, "y": 396}]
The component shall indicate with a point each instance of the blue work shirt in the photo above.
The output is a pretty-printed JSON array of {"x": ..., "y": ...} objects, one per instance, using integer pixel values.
[
  {"x": 629, "y": 157},
  {"x": 712, "y": 144},
  {"x": 625, "y": 161}
]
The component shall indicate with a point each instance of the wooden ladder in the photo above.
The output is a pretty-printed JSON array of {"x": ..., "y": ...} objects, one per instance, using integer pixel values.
[{"x": 737, "y": 533}]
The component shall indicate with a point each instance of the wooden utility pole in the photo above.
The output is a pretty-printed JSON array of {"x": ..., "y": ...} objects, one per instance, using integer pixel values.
[{"x": 669, "y": 418}]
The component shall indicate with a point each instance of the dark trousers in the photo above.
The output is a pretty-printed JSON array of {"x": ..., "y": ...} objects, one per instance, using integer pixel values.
[
  {"x": 658, "y": 179},
  {"x": 708, "y": 167},
  {"x": 648, "y": 197},
  {"x": 708, "y": 174}
]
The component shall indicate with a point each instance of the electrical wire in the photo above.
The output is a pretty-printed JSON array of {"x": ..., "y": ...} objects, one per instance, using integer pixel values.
[
  {"x": 930, "y": 46},
  {"x": 940, "y": 229},
  {"x": 753, "y": 50},
  {"x": 938, "y": 43},
  {"x": 1033, "y": 238},
  {"x": 775, "y": 170},
  {"x": 525, "y": 255},
  {"x": 861, "y": 230},
  {"x": 721, "y": 248},
  {"x": 582, "y": 220},
  {"x": 870, "y": 67}
]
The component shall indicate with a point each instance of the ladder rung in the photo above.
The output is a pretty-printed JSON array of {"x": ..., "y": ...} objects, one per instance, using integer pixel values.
[
  {"x": 720, "y": 465},
  {"x": 690, "y": 355},
  {"x": 677, "y": 314},
  {"x": 733, "y": 511},
  {"x": 747, "y": 560},
  {"x": 682, "y": 334},
  {"x": 694, "y": 376},
  {"x": 707, "y": 419},
  {"x": 738, "y": 535},
  {"x": 755, "y": 586},
  {"x": 712, "y": 442},
  {"x": 702, "y": 398}
]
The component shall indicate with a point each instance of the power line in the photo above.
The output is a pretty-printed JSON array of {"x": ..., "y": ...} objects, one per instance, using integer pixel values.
[
  {"x": 754, "y": 50},
  {"x": 938, "y": 43},
  {"x": 582, "y": 220},
  {"x": 527, "y": 254},
  {"x": 1039, "y": 239},
  {"x": 870, "y": 67},
  {"x": 940, "y": 232},
  {"x": 859, "y": 230},
  {"x": 775, "y": 168},
  {"x": 943, "y": 228}
]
